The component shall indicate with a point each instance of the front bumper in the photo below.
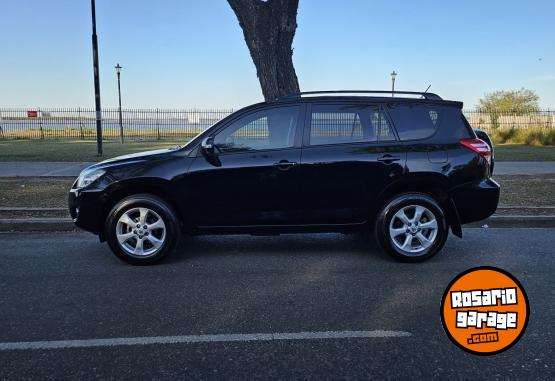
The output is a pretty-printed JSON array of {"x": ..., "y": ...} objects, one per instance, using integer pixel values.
[
  {"x": 476, "y": 202},
  {"x": 86, "y": 208}
]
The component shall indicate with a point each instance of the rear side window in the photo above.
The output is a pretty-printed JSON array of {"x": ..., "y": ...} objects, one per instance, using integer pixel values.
[
  {"x": 337, "y": 124},
  {"x": 413, "y": 121},
  {"x": 380, "y": 126}
]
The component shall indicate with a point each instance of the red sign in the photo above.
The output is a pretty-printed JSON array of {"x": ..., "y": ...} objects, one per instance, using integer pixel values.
[{"x": 32, "y": 114}]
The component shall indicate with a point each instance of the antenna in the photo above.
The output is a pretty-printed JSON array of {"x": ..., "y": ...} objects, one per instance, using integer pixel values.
[{"x": 425, "y": 91}]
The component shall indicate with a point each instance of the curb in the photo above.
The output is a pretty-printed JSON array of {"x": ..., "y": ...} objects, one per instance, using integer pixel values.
[
  {"x": 30, "y": 209},
  {"x": 48, "y": 224},
  {"x": 515, "y": 221}
]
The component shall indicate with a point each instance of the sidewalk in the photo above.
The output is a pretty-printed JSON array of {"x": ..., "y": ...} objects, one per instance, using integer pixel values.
[
  {"x": 41, "y": 168},
  {"x": 524, "y": 168},
  {"x": 72, "y": 169}
]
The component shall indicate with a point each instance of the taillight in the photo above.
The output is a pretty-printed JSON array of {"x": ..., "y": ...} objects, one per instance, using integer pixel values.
[{"x": 479, "y": 146}]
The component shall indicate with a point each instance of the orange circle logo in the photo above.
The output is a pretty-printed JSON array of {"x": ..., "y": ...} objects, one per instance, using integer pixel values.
[{"x": 485, "y": 310}]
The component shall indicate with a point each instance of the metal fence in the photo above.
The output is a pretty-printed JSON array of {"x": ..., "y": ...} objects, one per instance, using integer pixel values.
[
  {"x": 489, "y": 121},
  {"x": 158, "y": 124},
  {"x": 80, "y": 123}
]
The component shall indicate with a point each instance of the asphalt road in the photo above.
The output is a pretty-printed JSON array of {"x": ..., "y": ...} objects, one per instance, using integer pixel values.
[{"x": 67, "y": 286}]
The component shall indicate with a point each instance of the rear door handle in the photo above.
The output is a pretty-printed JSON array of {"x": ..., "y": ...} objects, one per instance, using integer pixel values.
[
  {"x": 387, "y": 158},
  {"x": 284, "y": 165}
]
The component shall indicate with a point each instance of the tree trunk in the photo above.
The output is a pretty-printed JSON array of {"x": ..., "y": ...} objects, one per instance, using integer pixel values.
[{"x": 269, "y": 28}]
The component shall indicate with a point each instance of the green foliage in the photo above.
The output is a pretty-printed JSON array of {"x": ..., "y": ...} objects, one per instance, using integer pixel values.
[
  {"x": 530, "y": 136},
  {"x": 515, "y": 101},
  {"x": 540, "y": 137},
  {"x": 504, "y": 136}
]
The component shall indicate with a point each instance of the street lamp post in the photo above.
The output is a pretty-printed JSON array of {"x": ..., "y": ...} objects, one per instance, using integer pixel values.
[
  {"x": 96, "y": 82},
  {"x": 393, "y": 76},
  {"x": 118, "y": 72}
]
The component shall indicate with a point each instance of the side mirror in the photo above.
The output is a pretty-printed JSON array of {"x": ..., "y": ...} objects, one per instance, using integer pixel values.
[{"x": 207, "y": 145}]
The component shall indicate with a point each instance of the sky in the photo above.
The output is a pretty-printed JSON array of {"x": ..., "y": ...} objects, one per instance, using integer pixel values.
[{"x": 191, "y": 54}]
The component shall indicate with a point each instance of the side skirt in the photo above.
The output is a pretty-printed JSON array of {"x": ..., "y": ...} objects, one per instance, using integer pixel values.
[{"x": 268, "y": 230}]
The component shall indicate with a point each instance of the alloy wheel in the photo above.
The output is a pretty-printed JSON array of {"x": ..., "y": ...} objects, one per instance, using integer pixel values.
[
  {"x": 413, "y": 229},
  {"x": 140, "y": 232}
]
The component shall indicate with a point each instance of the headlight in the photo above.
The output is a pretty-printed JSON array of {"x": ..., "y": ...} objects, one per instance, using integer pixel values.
[{"x": 87, "y": 177}]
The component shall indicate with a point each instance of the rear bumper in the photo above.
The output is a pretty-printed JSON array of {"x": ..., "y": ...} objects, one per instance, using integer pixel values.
[{"x": 476, "y": 202}]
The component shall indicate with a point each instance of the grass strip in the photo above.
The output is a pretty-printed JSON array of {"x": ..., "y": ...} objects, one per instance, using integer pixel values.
[{"x": 73, "y": 150}]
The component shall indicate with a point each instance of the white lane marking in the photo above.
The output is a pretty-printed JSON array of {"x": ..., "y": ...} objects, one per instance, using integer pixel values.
[{"x": 191, "y": 339}]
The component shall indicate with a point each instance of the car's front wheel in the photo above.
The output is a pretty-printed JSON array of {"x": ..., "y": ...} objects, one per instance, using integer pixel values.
[
  {"x": 142, "y": 229},
  {"x": 412, "y": 227}
]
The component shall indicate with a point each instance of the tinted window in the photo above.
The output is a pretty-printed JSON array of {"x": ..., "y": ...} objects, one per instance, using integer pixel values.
[
  {"x": 464, "y": 129},
  {"x": 336, "y": 124},
  {"x": 414, "y": 121},
  {"x": 268, "y": 129},
  {"x": 454, "y": 125},
  {"x": 380, "y": 126}
]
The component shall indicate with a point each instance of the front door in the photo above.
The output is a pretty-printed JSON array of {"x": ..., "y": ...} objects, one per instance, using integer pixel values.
[
  {"x": 250, "y": 179},
  {"x": 350, "y": 153}
]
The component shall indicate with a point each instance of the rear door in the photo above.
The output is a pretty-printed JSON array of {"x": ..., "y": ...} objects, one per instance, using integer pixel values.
[{"x": 350, "y": 153}]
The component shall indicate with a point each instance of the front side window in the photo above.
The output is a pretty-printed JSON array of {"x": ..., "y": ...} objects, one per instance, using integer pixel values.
[
  {"x": 267, "y": 129},
  {"x": 414, "y": 121},
  {"x": 337, "y": 124}
]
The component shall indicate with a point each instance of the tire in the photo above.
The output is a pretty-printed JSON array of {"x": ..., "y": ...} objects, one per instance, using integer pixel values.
[
  {"x": 406, "y": 242},
  {"x": 140, "y": 245}
]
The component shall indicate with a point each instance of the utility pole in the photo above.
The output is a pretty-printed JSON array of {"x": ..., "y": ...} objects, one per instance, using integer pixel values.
[{"x": 96, "y": 82}]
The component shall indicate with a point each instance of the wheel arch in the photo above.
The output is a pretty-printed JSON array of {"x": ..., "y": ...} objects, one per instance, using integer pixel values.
[
  {"x": 432, "y": 184},
  {"x": 153, "y": 186}
]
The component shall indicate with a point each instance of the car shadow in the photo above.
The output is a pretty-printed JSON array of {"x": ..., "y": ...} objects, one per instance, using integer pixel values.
[{"x": 323, "y": 244}]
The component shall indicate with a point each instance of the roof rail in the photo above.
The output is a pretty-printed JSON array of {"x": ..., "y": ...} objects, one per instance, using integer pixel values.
[{"x": 424, "y": 94}]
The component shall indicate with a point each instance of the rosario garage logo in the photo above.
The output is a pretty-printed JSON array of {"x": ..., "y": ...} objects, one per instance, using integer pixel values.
[{"x": 484, "y": 310}]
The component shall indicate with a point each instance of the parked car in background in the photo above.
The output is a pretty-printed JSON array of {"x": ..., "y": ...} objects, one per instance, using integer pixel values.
[
  {"x": 485, "y": 137},
  {"x": 407, "y": 169}
]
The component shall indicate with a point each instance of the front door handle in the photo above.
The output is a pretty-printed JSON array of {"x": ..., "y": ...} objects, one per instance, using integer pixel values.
[
  {"x": 388, "y": 159},
  {"x": 284, "y": 165}
]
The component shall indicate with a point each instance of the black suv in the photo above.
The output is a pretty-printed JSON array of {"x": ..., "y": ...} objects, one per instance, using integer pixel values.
[{"x": 406, "y": 165}]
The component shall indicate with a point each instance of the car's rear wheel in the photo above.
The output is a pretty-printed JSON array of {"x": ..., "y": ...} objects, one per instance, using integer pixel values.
[
  {"x": 142, "y": 229},
  {"x": 412, "y": 227}
]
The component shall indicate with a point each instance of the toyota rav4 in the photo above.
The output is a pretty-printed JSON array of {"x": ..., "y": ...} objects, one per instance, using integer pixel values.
[{"x": 406, "y": 166}]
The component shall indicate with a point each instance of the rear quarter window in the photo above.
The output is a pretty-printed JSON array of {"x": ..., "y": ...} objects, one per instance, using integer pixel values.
[{"x": 414, "y": 121}]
